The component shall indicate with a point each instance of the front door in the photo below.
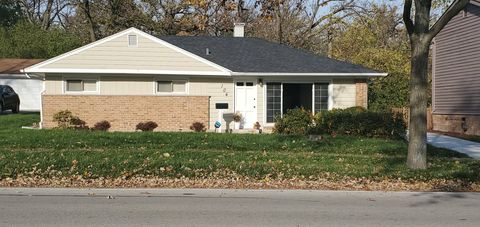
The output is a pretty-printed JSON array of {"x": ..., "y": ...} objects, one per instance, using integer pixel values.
[{"x": 246, "y": 103}]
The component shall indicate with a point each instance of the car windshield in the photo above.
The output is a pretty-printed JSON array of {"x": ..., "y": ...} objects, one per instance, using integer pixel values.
[{"x": 6, "y": 89}]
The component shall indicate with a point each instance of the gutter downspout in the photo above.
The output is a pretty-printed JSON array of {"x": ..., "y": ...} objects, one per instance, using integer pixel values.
[
  {"x": 40, "y": 125},
  {"x": 209, "y": 102}
]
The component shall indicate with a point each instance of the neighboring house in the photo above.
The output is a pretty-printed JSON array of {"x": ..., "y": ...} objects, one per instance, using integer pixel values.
[
  {"x": 28, "y": 88},
  {"x": 456, "y": 74},
  {"x": 175, "y": 81}
]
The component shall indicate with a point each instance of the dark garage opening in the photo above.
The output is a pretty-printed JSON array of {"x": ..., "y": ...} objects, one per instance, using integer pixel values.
[{"x": 297, "y": 96}]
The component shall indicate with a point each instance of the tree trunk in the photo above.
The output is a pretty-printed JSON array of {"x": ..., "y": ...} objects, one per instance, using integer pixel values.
[
  {"x": 280, "y": 27},
  {"x": 417, "y": 146},
  {"x": 92, "y": 26},
  {"x": 46, "y": 15}
]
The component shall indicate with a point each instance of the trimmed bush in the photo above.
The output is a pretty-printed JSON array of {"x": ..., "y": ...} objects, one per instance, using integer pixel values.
[
  {"x": 356, "y": 109},
  {"x": 66, "y": 119},
  {"x": 356, "y": 121},
  {"x": 294, "y": 121},
  {"x": 359, "y": 122},
  {"x": 198, "y": 127},
  {"x": 102, "y": 126},
  {"x": 147, "y": 126}
]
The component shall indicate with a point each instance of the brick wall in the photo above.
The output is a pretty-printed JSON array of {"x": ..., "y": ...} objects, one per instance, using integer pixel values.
[
  {"x": 171, "y": 113},
  {"x": 453, "y": 123},
  {"x": 361, "y": 97}
]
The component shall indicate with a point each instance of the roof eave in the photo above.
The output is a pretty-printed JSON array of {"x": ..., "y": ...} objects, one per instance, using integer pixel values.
[
  {"x": 267, "y": 74},
  {"x": 126, "y": 71}
]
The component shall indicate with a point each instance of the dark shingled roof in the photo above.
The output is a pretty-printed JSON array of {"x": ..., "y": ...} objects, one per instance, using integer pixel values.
[{"x": 257, "y": 55}]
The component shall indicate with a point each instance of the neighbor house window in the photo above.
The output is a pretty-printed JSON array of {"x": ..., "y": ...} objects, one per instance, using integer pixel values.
[
  {"x": 274, "y": 101},
  {"x": 171, "y": 86},
  {"x": 81, "y": 85},
  {"x": 321, "y": 97},
  {"x": 132, "y": 40}
]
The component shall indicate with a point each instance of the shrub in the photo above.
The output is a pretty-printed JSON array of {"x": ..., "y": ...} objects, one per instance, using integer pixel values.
[
  {"x": 359, "y": 122},
  {"x": 237, "y": 117},
  {"x": 63, "y": 118},
  {"x": 198, "y": 127},
  {"x": 66, "y": 119},
  {"x": 146, "y": 126},
  {"x": 295, "y": 121},
  {"x": 77, "y": 123},
  {"x": 102, "y": 126},
  {"x": 356, "y": 109}
]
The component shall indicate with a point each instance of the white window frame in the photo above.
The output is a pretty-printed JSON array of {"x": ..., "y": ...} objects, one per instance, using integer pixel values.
[
  {"x": 128, "y": 40},
  {"x": 313, "y": 82},
  {"x": 97, "y": 85},
  {"x": 330, "y": 92},
  {"x": 155, "y": 88}
]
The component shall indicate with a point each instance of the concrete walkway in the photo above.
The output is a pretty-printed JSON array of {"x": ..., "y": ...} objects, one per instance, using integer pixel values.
[{"x": 469, "y": 148}]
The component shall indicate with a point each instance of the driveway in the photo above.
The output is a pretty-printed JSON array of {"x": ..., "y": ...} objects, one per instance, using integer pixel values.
[
  {"x": 469, "y": 148},
  {"x": 198, "y": 207}
]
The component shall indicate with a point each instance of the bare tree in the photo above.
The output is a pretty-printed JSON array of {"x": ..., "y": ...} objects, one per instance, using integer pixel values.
[
  {"x": 43, "y": 12},
  {"x": 421, "y": 35},
  {"x": 168, "y": 14},
  {"x": 300, "y": 23},
  {"x": 92, "y": 26}
]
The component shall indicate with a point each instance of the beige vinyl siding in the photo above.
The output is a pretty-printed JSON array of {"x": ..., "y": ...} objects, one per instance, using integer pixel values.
[
  {"x": 220, "y": 91},
  {"x": 53, "y": 84},
  {"x": 344, "y": 93},
  {"x": 116, "y": 54},
  {"x": 260, "y": 104},
  {"x": 134, "y": 85}
]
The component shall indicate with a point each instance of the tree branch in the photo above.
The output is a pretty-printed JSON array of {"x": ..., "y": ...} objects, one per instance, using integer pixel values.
[
  {"x": 46, "y": 16},
  {"x": 407, "y": 13},
  {"x": 452, "y": 11}
]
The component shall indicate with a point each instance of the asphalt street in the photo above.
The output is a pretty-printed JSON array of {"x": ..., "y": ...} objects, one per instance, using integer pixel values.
[{"x": 200, "y": 207}]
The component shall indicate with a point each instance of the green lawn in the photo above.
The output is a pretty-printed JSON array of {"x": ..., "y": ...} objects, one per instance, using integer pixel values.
[{"x": 48, "y": 153}]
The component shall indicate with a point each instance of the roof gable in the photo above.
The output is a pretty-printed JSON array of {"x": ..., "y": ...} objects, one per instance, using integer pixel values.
[{"x": 113, "y": 55}]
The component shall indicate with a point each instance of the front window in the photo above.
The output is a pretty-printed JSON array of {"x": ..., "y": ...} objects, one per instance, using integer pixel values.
[
  {"x": 81, "y": 85},
  {"x": 171, "y": 86},
  {"x": 321, "y": 97},
  {"x": 274, "y": 101},
  {"x": 281, "y": 97}
]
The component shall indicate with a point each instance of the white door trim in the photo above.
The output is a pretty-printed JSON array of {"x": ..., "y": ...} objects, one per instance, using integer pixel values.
[{"x": 254, "y": 88}]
